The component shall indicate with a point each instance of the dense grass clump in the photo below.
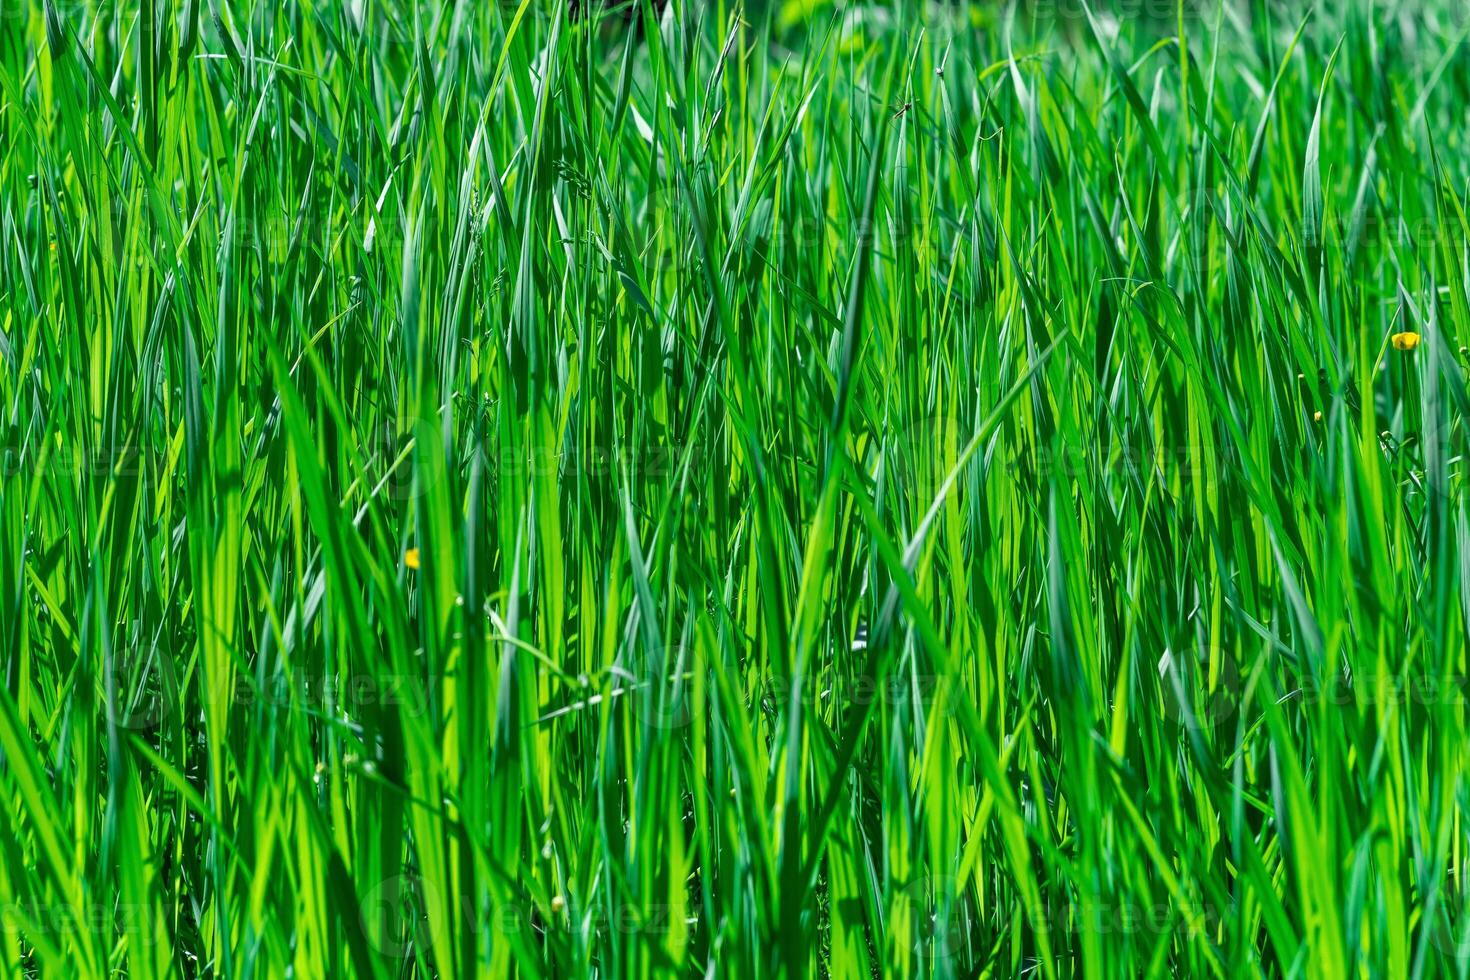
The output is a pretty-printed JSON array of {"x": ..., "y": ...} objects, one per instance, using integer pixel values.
[{"x": 807, "y": 489}]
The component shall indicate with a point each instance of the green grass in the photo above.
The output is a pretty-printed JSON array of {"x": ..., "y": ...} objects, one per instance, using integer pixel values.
[{"x": 838, "y": 492}]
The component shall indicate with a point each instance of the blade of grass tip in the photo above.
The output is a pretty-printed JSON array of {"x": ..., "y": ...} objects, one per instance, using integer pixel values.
[
  {"x": 852, "y": 310},
  {"x": 1312, "y": 204},
  {"x": 1130, "y": 92},
  {"x": 1258, "y": 142}
]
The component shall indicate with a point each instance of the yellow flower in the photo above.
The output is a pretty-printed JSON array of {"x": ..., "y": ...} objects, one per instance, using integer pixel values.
[
  {"x": 1316, "y": 416},
  {"x": 1407, "y": 340},
  {"x": 411, "y": 558}
]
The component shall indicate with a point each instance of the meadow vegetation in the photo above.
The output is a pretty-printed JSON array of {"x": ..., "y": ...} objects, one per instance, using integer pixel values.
[{"x": 800, "y": 490}]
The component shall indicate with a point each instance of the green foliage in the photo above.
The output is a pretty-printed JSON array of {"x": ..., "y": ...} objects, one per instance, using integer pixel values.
[{"x": 820, "y": 489}]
